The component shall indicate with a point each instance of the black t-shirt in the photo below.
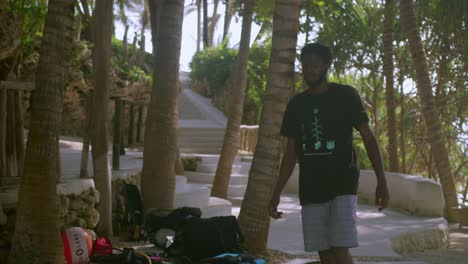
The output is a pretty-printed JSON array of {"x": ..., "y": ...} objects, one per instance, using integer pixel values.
[{"x": 322, "y": 126}]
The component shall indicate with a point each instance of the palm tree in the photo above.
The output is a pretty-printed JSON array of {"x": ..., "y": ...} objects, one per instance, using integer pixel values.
[
  {"x": 227, "y": 18},
  {"x": 389, "y": 87},
  {"x": 144, "y": 25},
  {"x": 254, "y": 218},
  {"x": 434, "y": 130},
  {"x": 213, "y": 22},
  {"x": 236, "y": 83},
  {"x": 160, "y": 150},
  {"x": 99, "y": 140},
  {"x": 37, "y": 231},
  {"x": 206, "y": 42}
]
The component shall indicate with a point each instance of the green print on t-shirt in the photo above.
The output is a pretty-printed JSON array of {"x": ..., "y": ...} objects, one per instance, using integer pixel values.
[{"x": 313, "y": 142}]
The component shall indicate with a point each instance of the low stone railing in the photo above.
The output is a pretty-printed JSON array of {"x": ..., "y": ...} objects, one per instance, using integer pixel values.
[
  {"x": 248, "y": 139},
  {"x": 413, "y": 194}
]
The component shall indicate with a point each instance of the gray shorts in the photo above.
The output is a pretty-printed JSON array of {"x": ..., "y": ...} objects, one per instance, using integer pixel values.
[{"x": 330, "y": 224}]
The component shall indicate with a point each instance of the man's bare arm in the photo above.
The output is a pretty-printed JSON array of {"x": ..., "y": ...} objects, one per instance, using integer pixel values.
[
  {"x": 373, "y": 151},
  {"x": 288, "y": 163}
]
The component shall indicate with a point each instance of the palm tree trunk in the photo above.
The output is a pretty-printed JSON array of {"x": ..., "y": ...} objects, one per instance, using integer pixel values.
[
  {"x": 199, "y": 14},
  {"x": 206, "y": 43},
  {"x": 133, "y": 56},
  {"x": 78, "y": 28},
  {"x": 37, "y": 232},
  {"x": 161, "y": 148},
  {"x": 402, "y": 123},
  {"x": 389, "y": 85},
  {"x": 86, "y": 138},
  {"x": 11, "y": 154},
  {"x": 227, "y": 18},
  {"x": 254, "y": 218},
  {"x": 236, "y": 83},
  {"x": 434, "y": 130},
  {"x": 19, "y": 132},
  {"x": 102, "y": 51},
  {"x": 3, "y": 128},
  {"x": 213, "y": 22},
  {"x": 125, "y": 43}
]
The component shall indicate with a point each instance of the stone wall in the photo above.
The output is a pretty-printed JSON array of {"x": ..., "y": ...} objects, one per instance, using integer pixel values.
[
  {"x": 77, "y": 199},
  {"x": 413, "y": 194}
]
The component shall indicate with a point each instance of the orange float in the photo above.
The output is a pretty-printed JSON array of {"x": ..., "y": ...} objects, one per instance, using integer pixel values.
[{"x": 77, "y": 245}]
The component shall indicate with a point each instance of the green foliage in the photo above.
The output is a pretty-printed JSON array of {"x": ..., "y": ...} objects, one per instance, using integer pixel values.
[
  {"x": 213, "y": 64},
  {"x": 125, "y": 70},
  {"x": 33, "y": 18},
  {"x": 257, "y": 80},
  {"x": 191, "y": 163}
]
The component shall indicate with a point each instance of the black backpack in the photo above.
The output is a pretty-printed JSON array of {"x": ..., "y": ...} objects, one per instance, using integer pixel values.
[
  {"x": 158, "y": 219},
  {"x": 130, "y": 224},
  {"x": 200, "y": 238}
]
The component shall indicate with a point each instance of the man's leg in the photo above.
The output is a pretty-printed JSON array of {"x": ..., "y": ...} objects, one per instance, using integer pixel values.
[
  {"x": 327, "y": 256},
  {"x": 342, "y": 255},
  {"x": 343, "y": 233}
]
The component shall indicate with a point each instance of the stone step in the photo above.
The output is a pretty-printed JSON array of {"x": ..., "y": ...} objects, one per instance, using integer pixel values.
[
  {"x": 181, "y": 183},
  {"x": 208, "y": 178},
  {"x": 193, "y": 195},
  {"x": 209, "y": 158},
  {"x": 200, "y": 144},
  {"x": 217, "y": 207},
  {"x": 236, "y": 190},
  {"x": 201, "y": 131},
  {"x": 211, "y": 168},
  {"x": 200, "y": 150},
  {"x": 236, "y": 201}
]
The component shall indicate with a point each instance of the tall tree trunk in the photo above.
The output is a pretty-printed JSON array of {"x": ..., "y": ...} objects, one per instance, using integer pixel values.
[
  {"x": 155, "y": 9},
  {"x": 117, "y": 134},
  {"x": 131, "y": 125},
  {"x": 402, "y": 123},
  {"x": 254, "y": 219},
  {"x": 227, "y": 18},
  {"x": 134, "y": 50},
  {"x": 144, "y": 25},
  {"x": 78, "y": 28},
  {"x": 199, "y": 15},
  {"x": 125, "y": 43},
  {"x": 86, "y": 137},
  {"x": 434, "y": 130},
  {"x": 206, "y": 42},
  {"x": 141, "y": 54},
  {"x": 389, "y": 85},
  {"x": 37, "y": 232},
  {"x": 11, "y": 153},
  {"x": 102, "y": 54},
  {"x": 160, "y": 151},
  {"x": 19, "y": 132},
  {"x": 213, "y": 22},
  {"x": 3, "y": 128},
  {"x": 237, "y": 82},
  {"x": 11, "y": 156}
]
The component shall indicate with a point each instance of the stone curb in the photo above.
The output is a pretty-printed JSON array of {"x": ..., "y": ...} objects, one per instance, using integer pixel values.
[{"x": 432, "y": 238}]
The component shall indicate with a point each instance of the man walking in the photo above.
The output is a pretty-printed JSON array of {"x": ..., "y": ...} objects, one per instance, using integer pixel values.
[{"x": 319, "y": 126}]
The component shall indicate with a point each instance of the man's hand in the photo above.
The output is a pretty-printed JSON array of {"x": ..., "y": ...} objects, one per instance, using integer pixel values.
[
  {"x": 274, "y": 207},
  {"x": 381, "y": 196}
]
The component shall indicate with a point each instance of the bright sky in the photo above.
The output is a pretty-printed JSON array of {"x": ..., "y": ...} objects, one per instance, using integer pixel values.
[{"x": 189, "y": 33}]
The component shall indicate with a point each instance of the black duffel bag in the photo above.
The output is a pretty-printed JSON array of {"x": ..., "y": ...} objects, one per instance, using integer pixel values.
[{"x": 199, "y": 238}]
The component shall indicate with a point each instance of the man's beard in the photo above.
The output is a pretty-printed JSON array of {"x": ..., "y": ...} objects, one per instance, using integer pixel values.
[{"x": 320, "y": 80}]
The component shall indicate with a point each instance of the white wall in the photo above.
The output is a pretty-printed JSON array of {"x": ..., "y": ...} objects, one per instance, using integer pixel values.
[{"x": 414, "y": 194}]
